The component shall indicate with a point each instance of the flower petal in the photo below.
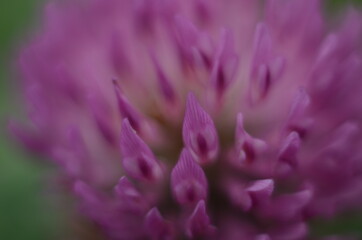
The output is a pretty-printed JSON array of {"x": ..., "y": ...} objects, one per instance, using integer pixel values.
[
  {"x": 287, "y": 156},
  {"x": 157, "y": 227},
  {"x": 199, "y": 132},
  {"x": 188, "y": 180},
  {"x": 225, "y": 64},
  {"x": 255, "y": 194},
  {"x": 137, "y": 158},
  {"x": 247, "y": 148},
  {"x": 130, "y": 198},
  {"x": 166, "y": 89},
  {"x": 261, "y": 190},
  {"x": 126, "y": 109},
  {"x": 266, "y": 67},
  {"x": 198, "y": 224}
]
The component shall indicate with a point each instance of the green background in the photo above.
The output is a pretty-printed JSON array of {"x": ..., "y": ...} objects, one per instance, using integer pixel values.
[
  {"x": 26, "y": 211},
  {"x": 26, "y": 208}
]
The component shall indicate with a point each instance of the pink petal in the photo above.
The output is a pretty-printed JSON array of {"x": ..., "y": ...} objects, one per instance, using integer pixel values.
[
  {"x": 188, "y": 180},
  {"x": 137, "y": 158},
  {"x": 157, "y": 227},
  {"x": 199, "y": 132},
  {"x": 198, "y": 224}
]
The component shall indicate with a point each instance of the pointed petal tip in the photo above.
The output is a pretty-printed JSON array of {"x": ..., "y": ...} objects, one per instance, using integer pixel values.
[
  {"x": 198, "y": 224},
  {"x": 154, "y": 213},
  {"x": 265, "y": 185},
  {"x": 166, "y": 89},
  {"x": 289, "y": 149},
  {"x": 138, "y": 159},
  {"x": 260, "y": 191},
  {"x": 247, "y": 149},
  {"x": 224, "y": 65},
  {"x": 157, "y": 227},
  {"x": 188, "y": 180},
  {"x": 199, "y": 132},
  {"x": 124, "y": 186},
  {"x": 154, "y": 221},
  {"x": 267, "y": 67},
  {"x": 127, "y": 110},
  {"x": 129, "y": 198}
]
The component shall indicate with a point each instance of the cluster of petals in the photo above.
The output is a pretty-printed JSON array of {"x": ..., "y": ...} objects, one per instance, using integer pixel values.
[{"x": 197, "y": 119}]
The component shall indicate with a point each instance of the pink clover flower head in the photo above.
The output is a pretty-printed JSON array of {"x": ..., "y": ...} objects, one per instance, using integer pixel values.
[{"x": 233, "y": 119}]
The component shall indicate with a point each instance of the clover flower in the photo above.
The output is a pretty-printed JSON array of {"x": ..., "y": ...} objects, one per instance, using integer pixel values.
[{"x": 196, "y": 119}]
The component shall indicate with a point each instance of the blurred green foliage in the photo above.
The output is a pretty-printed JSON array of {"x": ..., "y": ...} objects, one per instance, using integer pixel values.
[
  {"x": 25, "y": 211},
  {"x": 347, "y": 224},
  {"x": 340, "y": 4}
]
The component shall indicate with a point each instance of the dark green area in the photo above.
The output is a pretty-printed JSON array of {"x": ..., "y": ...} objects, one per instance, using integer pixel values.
[
  {"x": 340, "y": 4},
  {"x": 25, "y": 209},
  {"x": 348, "y": 224}
]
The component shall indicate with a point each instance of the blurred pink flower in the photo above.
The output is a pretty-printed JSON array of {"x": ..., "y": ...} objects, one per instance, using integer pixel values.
[{"x": 233, "y": 119}]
